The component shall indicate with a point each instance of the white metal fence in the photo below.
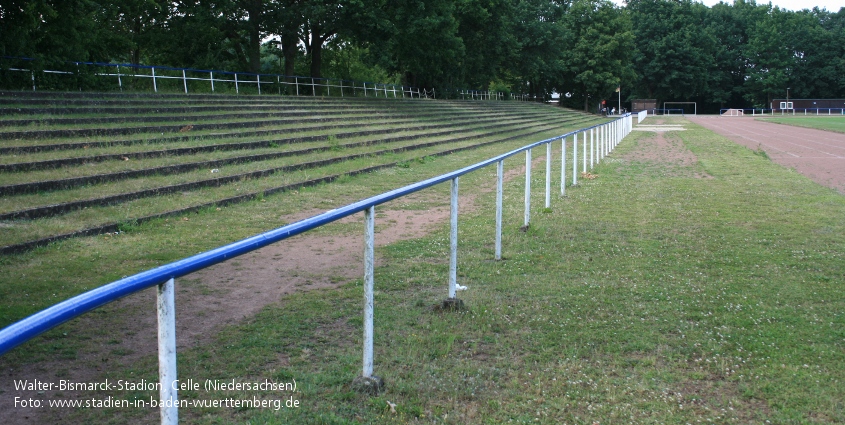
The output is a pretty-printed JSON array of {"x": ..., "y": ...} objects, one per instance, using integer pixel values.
[
  {"x": 197, "y": 80},
  {"x": 731, "y": 112}
]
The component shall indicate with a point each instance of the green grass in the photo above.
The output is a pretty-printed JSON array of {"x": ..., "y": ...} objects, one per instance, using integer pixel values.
[
  {"x": 648, "y": 295},
  {"x": 830, "y": 123},
  {"x": 24, "y": 230},
  {"x": 444, "y": 115}
]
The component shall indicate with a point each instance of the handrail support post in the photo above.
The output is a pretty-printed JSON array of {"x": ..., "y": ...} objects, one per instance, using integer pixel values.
[
  {"x": 549, "y": 175},
  {"x": 499, "y": 192},
  {"x": 166, "y": 306},
  {"x": 452, "y": 302},
  {"x": 527, "y": 220},
  {"x": 367, "y": 382},
  {"x": 563, "y": 167}
]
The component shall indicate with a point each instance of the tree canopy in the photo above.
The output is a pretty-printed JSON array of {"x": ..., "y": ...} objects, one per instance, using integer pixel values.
[{"x": 739, "y": 55}]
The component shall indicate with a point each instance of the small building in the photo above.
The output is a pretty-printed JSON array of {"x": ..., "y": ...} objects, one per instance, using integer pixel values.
[
  {"x": 821, "y": 106},
  {"x": 638, "y": 105}
]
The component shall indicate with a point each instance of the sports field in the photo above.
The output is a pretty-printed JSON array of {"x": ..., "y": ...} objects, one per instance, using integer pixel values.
[
  {"x": 814, "y": 152},
  {"x": 830, "y": 123},
  {"x": 692, "y": 281}
]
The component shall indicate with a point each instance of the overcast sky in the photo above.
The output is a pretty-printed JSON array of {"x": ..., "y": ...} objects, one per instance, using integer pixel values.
[{"x": 830, "y": 5}]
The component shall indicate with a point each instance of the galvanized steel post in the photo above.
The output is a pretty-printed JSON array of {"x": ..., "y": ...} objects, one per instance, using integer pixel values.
[
  {"x": 599, "y": 143},
  {"x": 184, "y": 81},
  {"x": 453, "y": 241},
  {"x": 500, "y": 171},
  {"x": 211, "y": 77},
  {"x": 575, "y": 159},
  {"x": 585, "y": 152},
  {"x": 155, "y": 88},
  {"x": 603, "y": 141},
  {"x": 619, "y": 130},
  {"x": 237, "y": 89},
  {"x": 563, "y": 167},
  {"x": 166, "y": 306},
  {"x": 369, "y": 265},
  {"x": 549, "y": 175},
  {"x": 527, "y": 187}
]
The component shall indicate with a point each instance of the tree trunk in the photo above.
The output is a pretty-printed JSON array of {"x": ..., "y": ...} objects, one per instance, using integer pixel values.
[
  {"x": 316, "y": 58},
  {"x": 316, "y": 52},
  {"x": 136, "y": 36},
  {"x": 254, "y": 49},
  {"x": 254, "y": 28},
  {"x": 289, "y": 52}
]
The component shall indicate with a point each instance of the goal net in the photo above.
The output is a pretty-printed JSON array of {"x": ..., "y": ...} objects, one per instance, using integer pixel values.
[
  {"x": 733, "y": 113},
  {"x": 687, "y": 108}
]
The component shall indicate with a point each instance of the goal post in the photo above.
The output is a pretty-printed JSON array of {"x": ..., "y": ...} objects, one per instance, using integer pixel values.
[
  {"x": 683, "y": 105},
  {"x": 732, "y": 113}
]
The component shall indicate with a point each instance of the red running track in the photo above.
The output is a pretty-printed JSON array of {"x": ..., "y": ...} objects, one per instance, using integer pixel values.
[{"x": 818, "y": 154}]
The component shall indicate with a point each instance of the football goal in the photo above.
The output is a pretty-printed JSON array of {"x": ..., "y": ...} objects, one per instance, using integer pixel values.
[
  {"x": 689, "y": 108},
  {"x": 733, "y": 112}
]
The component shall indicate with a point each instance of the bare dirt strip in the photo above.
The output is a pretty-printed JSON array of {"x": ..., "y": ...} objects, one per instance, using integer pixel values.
[
  {"x": 818, "y": 154},
  {"x": 225, "y": 294}
]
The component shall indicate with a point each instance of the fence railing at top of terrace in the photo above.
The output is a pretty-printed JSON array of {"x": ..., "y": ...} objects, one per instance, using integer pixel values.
[
  {"x": 156, "y": 78},
  {"x": 754, "y": 112},
  {"x": 603, "y": 138},
  {"x": 481, "y": 95}
]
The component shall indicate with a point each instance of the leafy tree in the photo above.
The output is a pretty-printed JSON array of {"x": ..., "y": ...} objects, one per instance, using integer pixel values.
[
  {"x": 817, "y": 43},
  {"x": 541, "y": 38},
  {"x": 200, "y": 35},
  {"x": 347, "y": 20},
  {"x": 599, "y": 57},
  {"x": 59, "y": 30},
  {"x": 422, "y": 43},
  {"x": 133, "y": 22},
  {"x": 485, "y": 28},
  {"x": 675, "y": 54},
  {"x": 770, "y": 58}
]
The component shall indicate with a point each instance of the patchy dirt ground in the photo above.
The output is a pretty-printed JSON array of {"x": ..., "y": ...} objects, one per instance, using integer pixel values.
[
  {"x": 661, "y": 146},
  {"x": 225, "y": 294}
]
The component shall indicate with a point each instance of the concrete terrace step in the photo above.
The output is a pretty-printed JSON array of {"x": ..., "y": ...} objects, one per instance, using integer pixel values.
[
  {"x": 76, "y": 164},
  {"x": 240, "y": 121},
  {"x": 171, "y": 147}
]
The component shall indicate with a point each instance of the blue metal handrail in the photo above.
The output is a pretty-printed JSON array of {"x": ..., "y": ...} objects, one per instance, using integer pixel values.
[
  {"x": 607, "y": 135},
  {"x": 30, "y": 327}
]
